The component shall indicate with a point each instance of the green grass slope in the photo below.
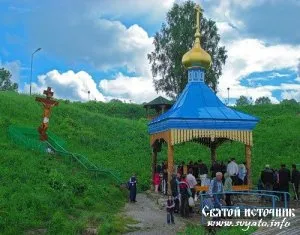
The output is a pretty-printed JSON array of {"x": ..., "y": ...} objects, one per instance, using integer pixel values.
[{"x": 45, "y": 192}]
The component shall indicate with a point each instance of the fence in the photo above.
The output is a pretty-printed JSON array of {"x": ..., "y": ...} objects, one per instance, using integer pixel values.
[
  {"x": 266, "y": 194},
  {"x": 29, "y": 138}
]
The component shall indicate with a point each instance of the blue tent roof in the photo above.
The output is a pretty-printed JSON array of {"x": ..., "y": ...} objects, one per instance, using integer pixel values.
[{"x": 199, "y": 108}]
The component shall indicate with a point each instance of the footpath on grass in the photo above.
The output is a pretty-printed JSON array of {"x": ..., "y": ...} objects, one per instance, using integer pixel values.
[{"x": 151, "y": 217}]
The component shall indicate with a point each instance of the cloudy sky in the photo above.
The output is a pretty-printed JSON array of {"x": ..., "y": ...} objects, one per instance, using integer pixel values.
[{"x": 101, "y": 46}]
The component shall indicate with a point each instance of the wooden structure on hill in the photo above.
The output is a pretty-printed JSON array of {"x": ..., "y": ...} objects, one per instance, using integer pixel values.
[
  {"x": 159, "y": 104},
  {"x": 199, "y": 115}
]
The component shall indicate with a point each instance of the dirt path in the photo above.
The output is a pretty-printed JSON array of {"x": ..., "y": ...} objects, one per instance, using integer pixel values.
[{"x": 152, "y": 219}]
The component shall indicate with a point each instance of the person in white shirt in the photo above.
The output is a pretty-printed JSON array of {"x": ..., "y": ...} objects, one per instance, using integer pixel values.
[
  {"x": 192, "y": 182},
  {"x": 233, "y": 170}
]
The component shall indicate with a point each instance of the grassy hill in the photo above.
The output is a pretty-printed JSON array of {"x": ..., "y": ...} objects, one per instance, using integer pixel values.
[{"x": 43, "y": 192}]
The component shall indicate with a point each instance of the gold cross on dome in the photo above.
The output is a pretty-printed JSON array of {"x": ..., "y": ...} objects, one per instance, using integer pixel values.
[{"x": 198, "y": 13}]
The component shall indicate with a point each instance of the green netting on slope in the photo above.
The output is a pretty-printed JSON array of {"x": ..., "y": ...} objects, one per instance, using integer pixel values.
[{"x": 29, "y": 138}]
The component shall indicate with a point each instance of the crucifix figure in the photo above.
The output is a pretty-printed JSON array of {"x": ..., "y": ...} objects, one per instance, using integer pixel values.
[{"x": 48, "y": 103}]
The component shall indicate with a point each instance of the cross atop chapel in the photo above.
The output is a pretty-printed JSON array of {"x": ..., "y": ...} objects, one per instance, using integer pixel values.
[{"x": 199, "y": 12}]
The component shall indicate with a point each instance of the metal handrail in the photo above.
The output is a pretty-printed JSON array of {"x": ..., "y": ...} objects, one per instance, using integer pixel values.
[
  {"x": 77, "y": 158},
  {"x": 274, "y": 198},
  {"x": 286, "y": 195}
]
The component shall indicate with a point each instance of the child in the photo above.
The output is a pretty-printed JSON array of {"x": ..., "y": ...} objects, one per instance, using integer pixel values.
[{"x": 170, "y": 210}]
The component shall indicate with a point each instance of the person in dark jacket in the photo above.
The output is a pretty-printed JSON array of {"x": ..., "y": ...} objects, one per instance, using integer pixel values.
[
  {"x": 267, "y": 178},
  {"x": 276, "y": 181},
  {"x": 175, "y": 193},
  {"x": 195, "y": 170},
  {"x": 284, "y": 179},
  {"x": 180, "y": 168},
  {"x": 295, "y": 180},
  {"x": 170, "y": 210},
  {"x": 185, "y": 194},
  {"x": 165, "y": 182},
  {"x": 163, "y": 166},
  {"x": 158, "y": 168},
  {"x": 213, "y": 169},
  {"x": 223, "y": 168},
  {"x": 202, "y": 168},
  {"x": 246, "y": 177},
  {"x": 132, "y": 188}
]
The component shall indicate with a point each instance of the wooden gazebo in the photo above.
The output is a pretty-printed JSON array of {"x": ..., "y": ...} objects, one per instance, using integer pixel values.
[
  {"x": 159, "y": 104},
  {"x": 199, "y": 115}
]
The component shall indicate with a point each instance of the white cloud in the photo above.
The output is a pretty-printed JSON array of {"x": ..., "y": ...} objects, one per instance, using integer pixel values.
[
  {"x": 267, "y": 77},
  {"x": 68, "y": 85},
  {"x": 75, "y": 86},
  {"x": 223, "y": 10},
  {"x": 291, "y": 95},
  {"x": 249, "y": 55},
  {"x": 137, "y": 89},
  {"x": 298, "y": 71},
  {"x": 106, "y": 45},
  {"x": 93, "y": 32},
  {"x": 150, "y": 10},
  {"x": 87, "y": 34},
  {"x": 224, "y": 27},
  {"x": 246, "y": 56}
]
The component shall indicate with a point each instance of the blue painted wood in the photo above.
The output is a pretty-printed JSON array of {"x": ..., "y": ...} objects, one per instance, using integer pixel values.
[{"x": 198, "y": 107}]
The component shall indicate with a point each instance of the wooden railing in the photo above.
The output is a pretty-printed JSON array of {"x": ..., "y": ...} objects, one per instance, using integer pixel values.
[{"x": 234, "y": 188}]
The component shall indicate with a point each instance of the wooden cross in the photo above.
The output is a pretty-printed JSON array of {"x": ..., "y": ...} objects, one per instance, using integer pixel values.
[
  {"x": 48, "y": 100},
  {"x": 48, "y": 93},
  {"x": 48, "y": 103}
]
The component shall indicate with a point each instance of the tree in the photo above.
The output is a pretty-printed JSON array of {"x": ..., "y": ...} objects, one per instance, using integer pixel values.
[
  {"x": 263, "y": 100},
  {"x": 115, "y": 101},
  {"x": 242, "y": 101},
  {"x": 174, "y": 39},
  {"x": 5, "y": 81},
  {"x": 288, "y": 102}
]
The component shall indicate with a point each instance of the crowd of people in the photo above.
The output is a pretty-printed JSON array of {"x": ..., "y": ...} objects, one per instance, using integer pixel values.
[
  {"x": 187, "y": 176},
  {"x": 223, "y": 177},
  {"x": 200, "y": 171},
  {"x": 279, "y": 180}
]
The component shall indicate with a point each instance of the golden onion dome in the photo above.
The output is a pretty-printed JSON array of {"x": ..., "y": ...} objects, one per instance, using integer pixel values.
[{"x": 197, "y": 57}]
